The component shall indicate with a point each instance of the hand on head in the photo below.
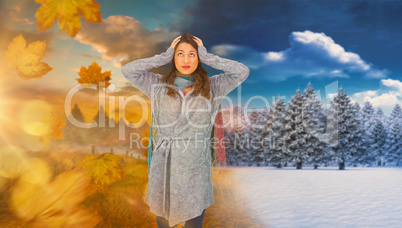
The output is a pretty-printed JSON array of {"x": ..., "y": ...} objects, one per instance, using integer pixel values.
[
  {"x": 198, "y": 41},
  {"x": 177, "y": 39}
]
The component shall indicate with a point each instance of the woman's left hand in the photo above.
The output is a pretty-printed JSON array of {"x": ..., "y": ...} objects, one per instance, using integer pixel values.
[{"x": 198, "y": 41}]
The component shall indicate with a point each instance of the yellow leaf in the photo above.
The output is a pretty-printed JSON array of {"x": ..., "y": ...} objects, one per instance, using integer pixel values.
[
  {"x": 93, "y": 76},
  {"x": 53, "y": 204},
  {"x": 26, "y": 60},
  {"x": 103, "y": 169},
  {"x": 53, "y": 125},
  {"x": 68, "y": 12}
]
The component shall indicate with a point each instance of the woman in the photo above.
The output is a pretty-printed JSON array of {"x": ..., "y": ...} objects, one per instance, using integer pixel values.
[{"x": 180, "y": 181}]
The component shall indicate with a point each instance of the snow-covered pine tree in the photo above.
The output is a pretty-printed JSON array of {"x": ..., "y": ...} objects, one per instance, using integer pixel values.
[
  {"x": 256, "y": 130},
  {"x": 296, "y": 134},
  {"x": 378, "y": 115},
  {"x": 312, "y": 120},
  {"x": 339, "y": 117},
  {"x": 232, "y": 149},
  {"x": 360, "y": 146},
  {"x": 394, "y": 117},
  {"x": 252, "y": 120},
  {"x": 244, "y": 147},
  {"x": 394, "y": 144},
  {"x": 230, "y": 157},
  {"x": 276, "y": 134},
  {"x": 265, "y": 134},
  {"x": 378, "y": 137},
  {"x": 367, "y": 115}
]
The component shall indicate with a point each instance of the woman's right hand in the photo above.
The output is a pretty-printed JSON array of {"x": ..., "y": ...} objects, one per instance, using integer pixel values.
[{"x": 175, "y": 41}]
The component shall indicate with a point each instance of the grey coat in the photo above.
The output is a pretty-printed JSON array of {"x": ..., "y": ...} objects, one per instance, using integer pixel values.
[{"x": 180, "y": 179}]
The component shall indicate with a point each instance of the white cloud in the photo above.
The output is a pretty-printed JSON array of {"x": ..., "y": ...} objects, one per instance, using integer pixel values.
[
  {"x": 328, "y": 47},
  {"x": 366, "y": 94},
  {"x": 393, "y": 84},
  {"x": 120, "y": 35},
  {"x": 313, "y": 55},
  {"x": 385, "y": 98},
  {"x": 330, "y": 96},
  {"x": 274, "y": 56}
]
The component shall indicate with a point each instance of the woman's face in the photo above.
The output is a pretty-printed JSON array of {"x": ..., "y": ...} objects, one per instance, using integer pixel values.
[{"x": 186, "y": 58}]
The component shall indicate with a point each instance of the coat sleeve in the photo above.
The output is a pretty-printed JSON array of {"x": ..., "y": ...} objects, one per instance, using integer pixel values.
[
  {"x": 137, "y": 73},
  {"x": 234, "y": 74}
]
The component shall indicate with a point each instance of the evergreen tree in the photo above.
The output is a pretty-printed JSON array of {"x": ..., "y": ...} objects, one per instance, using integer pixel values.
[
  {"x": 378, "y": 137},
  {"x": 231, "y": 155},
  {"x": 394, "y": 144},
  {"x": 296, "y": 133},
  {"x": 74, "y": 134},
  {"x": 256, "y": 130},
  {"x": 358, "y": 138},
  {"x": 253, "y": 118},
  {"x": 245, "y": 147},
  {"x": 100, "y": 134},
  {"x": 340, "y": 124},
  {"x": 276, "y": 133},
  {"x": 235, "y": 153},
  {"x": 312, "y": 121},
  {"x": 265, "y": 134},
  {"x": 395, "y": 116},
  {"x": 77, "y": 114},
  {"x": 378, "y": 115},
  {"x": 101, "y": 112},
  {"x": 367, "y": 115}
]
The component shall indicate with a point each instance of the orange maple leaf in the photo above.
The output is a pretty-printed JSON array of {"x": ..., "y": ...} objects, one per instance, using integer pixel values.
[
  {"x": 67, "y": 11},
  {"x": 26, "y": 60},
  {"x": 93, "y": 75},
  {"x": 53, "y": 125}
]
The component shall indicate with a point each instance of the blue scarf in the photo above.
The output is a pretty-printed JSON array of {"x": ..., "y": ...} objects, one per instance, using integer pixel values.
[{"x": 181, "y": 82}]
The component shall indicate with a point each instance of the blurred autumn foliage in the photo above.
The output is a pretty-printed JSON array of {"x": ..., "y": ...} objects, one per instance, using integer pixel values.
[
  {"x": 53, "y": 125},
  {"x": 68, "y": 12},
  {"x": 52, "y": 189},
  {"x": 103, "y": 169},
  {"x": 26, "y": 60},
  {"x": 44, "y": 203}
]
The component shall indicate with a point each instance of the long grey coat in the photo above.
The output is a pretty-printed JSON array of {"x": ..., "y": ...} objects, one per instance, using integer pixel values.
[{"x": 180, "y": 179}]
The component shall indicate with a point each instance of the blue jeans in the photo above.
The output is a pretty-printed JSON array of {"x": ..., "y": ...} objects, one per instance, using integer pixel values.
[{"x": 192, "y": 223}]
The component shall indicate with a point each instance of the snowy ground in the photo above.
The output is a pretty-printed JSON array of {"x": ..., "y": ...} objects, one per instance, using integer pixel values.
[{"x": 327, "y": 197}]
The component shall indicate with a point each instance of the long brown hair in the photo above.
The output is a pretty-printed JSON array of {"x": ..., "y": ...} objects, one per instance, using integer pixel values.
[{"x": 200, "y": 75}]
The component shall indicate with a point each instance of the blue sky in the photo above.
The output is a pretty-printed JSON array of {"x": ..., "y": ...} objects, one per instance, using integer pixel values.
[{"x": 286, "y": 43}]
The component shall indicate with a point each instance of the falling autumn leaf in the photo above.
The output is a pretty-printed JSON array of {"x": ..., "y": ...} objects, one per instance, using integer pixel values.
[
  {"x": 52, "y": 203},
  {"x": 103, "y": 169},
  {"x": 93, "y": 75},
  {"x": 53, "y": 125},
  {"x": 68, "y": 12},
  {"x": 26, "y": 60}
]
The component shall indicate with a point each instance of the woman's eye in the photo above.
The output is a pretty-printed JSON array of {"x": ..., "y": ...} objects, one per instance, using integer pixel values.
[
  {"x": 192, "y": 54},
  {"x": 180, "y": 54}
]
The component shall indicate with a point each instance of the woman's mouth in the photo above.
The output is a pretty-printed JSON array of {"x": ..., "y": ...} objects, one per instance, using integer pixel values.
[{"x": 186, "y": 67}]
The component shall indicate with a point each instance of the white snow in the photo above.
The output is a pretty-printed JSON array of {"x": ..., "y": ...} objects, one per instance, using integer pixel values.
[{"x": 327, "y": 197}]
